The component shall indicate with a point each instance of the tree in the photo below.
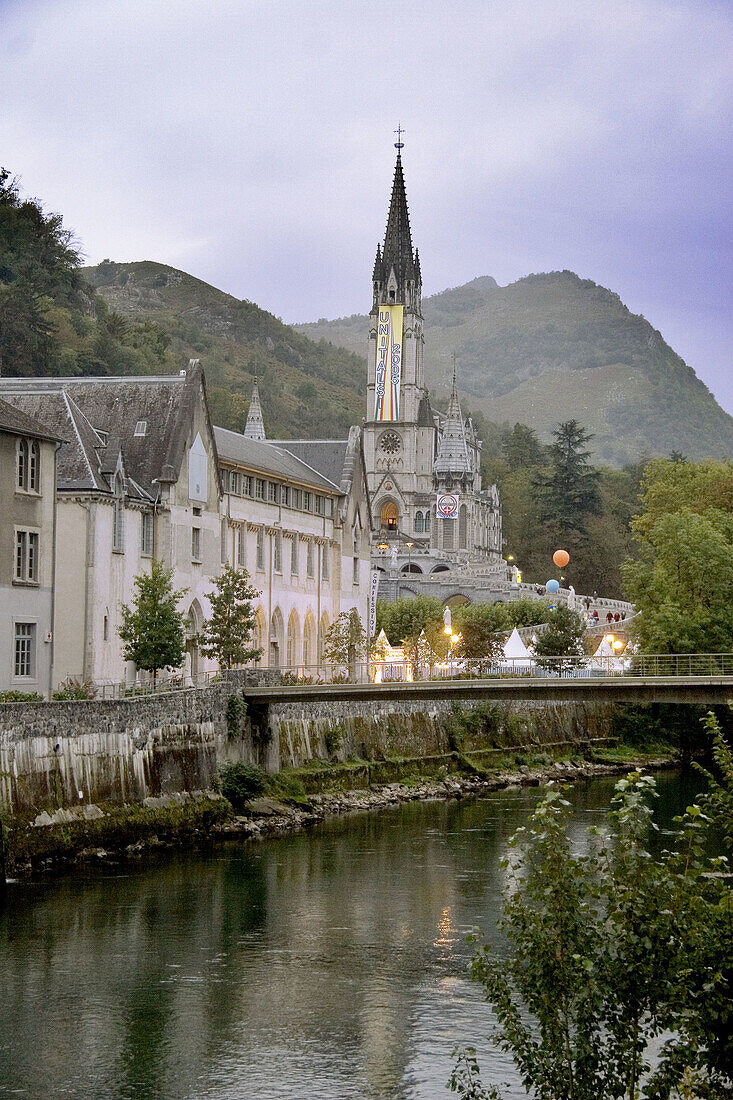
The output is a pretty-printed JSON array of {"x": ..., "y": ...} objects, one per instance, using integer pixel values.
[
  {"x": 227, "y": 633},
  {"x": 345, "y": 640},
  {"x": 407, "y": 617},
  {"x": 563, "y": 636},
  {"x": 681, "y": 579},
  {"x": 152, "y": 627},
  {"x": 481, "y": 627},
  {"x": 521, "y": 448},
  {"x": 568, "y": 491},
  {"x": 607, "y": 950}
]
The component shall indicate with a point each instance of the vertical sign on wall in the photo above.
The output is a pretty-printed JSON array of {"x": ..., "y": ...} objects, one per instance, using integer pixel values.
[
  {"x": 389, "y": 363},
  {"x": 373, "y": 590}
]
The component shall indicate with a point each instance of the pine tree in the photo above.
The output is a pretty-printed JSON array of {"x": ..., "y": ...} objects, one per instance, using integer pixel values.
[
  {"x": 227, "y": 633},
  {"x": 152, "y": 627},
  {"x": 568, "y": 491}
]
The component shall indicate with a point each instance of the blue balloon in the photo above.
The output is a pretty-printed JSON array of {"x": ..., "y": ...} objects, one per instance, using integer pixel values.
[{"x": 552, "y": 585}]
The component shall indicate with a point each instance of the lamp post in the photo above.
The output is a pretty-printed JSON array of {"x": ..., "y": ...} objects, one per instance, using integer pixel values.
[{"x": 409, "y": 546}]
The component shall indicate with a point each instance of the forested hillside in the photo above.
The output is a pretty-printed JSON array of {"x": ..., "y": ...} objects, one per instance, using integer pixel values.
[
  {"x": 57, "y": 318},
  {"x": 553, "y": 346}
]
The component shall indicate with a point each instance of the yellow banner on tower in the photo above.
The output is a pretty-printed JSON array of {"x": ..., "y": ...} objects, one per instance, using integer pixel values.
[{"x": 389, "y": 363}]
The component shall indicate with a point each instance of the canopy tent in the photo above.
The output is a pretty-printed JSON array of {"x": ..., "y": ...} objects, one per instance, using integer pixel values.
[{"x": 516, "y": 654}]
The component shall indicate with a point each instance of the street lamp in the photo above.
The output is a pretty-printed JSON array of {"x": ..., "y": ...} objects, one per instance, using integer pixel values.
[{"x": 409, "y": 546}]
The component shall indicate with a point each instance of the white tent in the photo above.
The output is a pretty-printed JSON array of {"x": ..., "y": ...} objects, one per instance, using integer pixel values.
[
  {"x": 606, "y": 658},
  {"x": 516, "y": 654}
]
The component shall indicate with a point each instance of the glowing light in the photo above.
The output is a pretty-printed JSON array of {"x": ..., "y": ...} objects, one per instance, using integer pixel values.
[
  {"x": 378, "y": 674},
  {"x": 455, "y": 638},
  {"x": 617, "y": 644},
  {"x": 408, "y": 674},
  {"x": 610, "y": 638}
]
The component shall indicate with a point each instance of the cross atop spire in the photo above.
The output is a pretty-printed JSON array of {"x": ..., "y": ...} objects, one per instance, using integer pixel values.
[{"x": 399, "y": 144}]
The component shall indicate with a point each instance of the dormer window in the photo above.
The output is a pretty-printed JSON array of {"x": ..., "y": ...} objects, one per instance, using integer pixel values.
[
  {"x": 141, "y": 428},
  {"x": 391, "y": 295}
]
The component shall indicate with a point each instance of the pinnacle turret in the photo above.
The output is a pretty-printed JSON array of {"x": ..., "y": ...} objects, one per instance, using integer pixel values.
[
  {"x": 255, "y": 426},
  {"x": 453, "y": 458}
]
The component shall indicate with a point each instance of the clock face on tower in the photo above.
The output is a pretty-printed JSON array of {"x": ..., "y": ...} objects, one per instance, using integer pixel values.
[{"x": 390, "y": 443}]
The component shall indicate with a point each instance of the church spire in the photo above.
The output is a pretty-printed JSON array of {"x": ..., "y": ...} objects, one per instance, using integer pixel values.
[
  {"x": 255, "y": 426},
  {"x": 397, "y": 268}
]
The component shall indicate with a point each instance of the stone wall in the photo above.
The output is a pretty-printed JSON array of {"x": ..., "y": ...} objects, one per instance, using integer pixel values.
[
  {"x": 114, "y": 750},
  {"x": 66, "y": 753},
  {"x": 348, "y": 730}
]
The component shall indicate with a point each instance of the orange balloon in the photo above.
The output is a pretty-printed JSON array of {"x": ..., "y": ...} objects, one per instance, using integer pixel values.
[{"x": 561, "y": 558}]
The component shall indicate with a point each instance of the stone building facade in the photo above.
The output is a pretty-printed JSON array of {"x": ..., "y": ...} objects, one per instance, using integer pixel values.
[
  {"x": 142, "y": 473},
  {"x": 27, "y": 546},
  {"x": 430, "y": 513}
]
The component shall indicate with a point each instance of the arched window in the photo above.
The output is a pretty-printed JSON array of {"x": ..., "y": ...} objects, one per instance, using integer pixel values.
[
  {"x": 426, "y": 522},
  {"x": 309, "y": 642},
  {"x": 276, "y": 638},
  {"x": 34, "y": 467},
  {"x": 390, "y": 516},
  {"x": 293, "y": 639},
  {"x": 21, "y": 456},
  {"x": 448, "y": 533},
  {"x": 419, "y": 522},
  {"x": 462, "y": 527}
]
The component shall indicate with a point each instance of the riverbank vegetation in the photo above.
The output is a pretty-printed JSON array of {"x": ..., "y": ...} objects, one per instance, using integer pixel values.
[{"x": 614, "y": 948}]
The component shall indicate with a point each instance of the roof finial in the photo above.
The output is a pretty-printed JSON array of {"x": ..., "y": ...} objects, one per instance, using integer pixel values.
[
  {"x": 399, "y": 144},
  {"x": 455, "y": 372}
]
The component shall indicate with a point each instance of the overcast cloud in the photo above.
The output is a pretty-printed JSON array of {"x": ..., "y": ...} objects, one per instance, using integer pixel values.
[{"x": 250, "y": 143}]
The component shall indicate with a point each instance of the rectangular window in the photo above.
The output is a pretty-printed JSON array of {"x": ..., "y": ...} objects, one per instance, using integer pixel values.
[
  {"x": 25, "y": 649},
  {"x": 294, "y": 569},
  {"x": 306, "y": 502},
  {"x": 246, "y": 486},
  {"x": 27, "y": 550},
  {"x": 355, "y": 578},
  {"x": 278, "y": 553},
  {"x": 285, "y": 495},
  {"x": 324, "y": 563},
  {"x": 146, "y": 534},
  {"x": 21, "y": 467},
  {"x": 309, "y": 566},
  {"x": 260, "y": 488},
  {"x": 261, "y": 548},
  {"x": 234, "y": 483},
  {"x": 196, "y": 543},
  {"x": 241, "y": 547},
  {"x": 272, "y": 493},
  {"x": 141, "y": 428},
  {"x": 118, "y": 526}
]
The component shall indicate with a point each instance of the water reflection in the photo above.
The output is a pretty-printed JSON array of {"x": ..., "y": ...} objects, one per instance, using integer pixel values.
[{"x": 324, "y": 965}]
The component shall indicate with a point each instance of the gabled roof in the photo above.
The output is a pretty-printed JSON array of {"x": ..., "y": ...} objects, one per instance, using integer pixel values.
[
  {"x": 327, "y": 456},
  {"x": 98, "y": 417},
  {"x": 16, "y": 422},
  {"x": 267, "y": 457}
]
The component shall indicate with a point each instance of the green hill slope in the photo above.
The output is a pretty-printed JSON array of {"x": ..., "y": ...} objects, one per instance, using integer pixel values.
[
  {"x": 307, "y": 388},
  {"x": 554, "y": 346}
]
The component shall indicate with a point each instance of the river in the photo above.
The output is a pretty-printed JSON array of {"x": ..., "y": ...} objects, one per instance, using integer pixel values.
[{"x": 329, "y": 964}]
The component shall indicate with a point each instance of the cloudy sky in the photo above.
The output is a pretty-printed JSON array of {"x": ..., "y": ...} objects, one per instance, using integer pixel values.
[{"x": 249, "y": 142}]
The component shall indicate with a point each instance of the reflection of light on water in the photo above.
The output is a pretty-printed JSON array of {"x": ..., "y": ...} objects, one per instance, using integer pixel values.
[{"x": 445, "y": 926}]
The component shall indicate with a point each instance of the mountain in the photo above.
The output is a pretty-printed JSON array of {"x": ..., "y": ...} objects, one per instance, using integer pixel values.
[
  {"x": 552, "y": 347},
  {"x": 307, "y": 388}
]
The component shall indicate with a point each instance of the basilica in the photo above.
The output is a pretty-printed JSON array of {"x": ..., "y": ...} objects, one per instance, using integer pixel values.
[{"x": 429, "y": 512}]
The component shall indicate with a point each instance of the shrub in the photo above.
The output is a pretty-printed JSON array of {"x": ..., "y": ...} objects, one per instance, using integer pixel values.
[
  {"x": 334, "y": 739},
  {"x": 236, "y": 709},
  {"x": 11, "y": 696},
  {"x": 241, "y": 782},
  {"x": 75, "y": 688}
]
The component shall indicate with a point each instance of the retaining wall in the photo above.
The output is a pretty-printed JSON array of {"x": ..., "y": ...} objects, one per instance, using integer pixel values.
[{"x": 66, "y": 753}]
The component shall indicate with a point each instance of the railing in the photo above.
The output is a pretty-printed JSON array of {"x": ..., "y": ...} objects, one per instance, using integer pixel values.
[{"x": 702, "y": 665}]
